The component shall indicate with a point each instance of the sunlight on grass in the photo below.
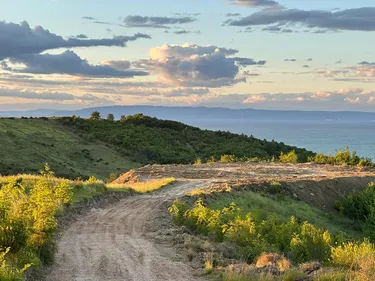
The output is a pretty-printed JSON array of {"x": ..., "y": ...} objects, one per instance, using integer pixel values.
[
  {"x": 261, "y": 205},
  {"x": 142, "y": 187}
]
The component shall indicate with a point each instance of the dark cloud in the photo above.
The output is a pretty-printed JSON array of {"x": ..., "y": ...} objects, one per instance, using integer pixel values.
[
  {"x": 81, "y": 36},
  {"x": 366, "y": 63},
  {"x": 89, "y": 18},
  {"x": 192, "y": 65},
  {"x": 309, "y": 59},
  {"x": 181, "y": 32},
  {"x": 233, "y": 15},
  {"x": 71, "y": 64},
  {"x": 247, "y": 62},
  {"x": 156, "y": 22},
  {"x": 19, "y": 39},
  {"x": 306, "y": 66},
  {"x": 254, "y": 3},
  {"x": 291, "y": 60},
  {"x": 351, "y": 19}
]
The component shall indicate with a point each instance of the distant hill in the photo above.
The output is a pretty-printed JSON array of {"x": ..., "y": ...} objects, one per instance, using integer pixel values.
[
  {"x": 81, "y": 147},
  {"x": 26, "y": 144},
  {"x": 186, "y": 114}
]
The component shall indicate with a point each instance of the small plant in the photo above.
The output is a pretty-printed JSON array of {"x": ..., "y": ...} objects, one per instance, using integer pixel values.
[
  {"x": 228, "y": 158},
  {"x": 209, "y": 262},
  {"x": 198, "y": 162}
]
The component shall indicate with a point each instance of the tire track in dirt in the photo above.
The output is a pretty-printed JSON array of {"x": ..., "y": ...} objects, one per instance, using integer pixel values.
[{"x": 110, "y": 244}]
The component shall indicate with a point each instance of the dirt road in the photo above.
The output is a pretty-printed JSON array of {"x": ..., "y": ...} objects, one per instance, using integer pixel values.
[{"x": 111, "y": 244}]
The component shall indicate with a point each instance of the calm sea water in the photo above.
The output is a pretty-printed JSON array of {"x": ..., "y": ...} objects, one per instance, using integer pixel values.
[{"x": 319, "y": 136}]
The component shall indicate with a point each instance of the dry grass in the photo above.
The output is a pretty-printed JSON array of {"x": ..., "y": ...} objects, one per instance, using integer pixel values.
[{"x": 143, "y": 187}]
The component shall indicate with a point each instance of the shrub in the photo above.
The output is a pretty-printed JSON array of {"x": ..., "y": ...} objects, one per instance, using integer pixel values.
[
  {"x": 251, "y": 235},
  {"x": 311, "y": 244},
  {"x": 290, "y": 157},
  {"x": 198, "y": 161},
  {"x": 228, "y": 158},
  {"x": 8, "y": 272},
  {"x": 358, "y": 256},
  {"x": 361, "y": 206}
]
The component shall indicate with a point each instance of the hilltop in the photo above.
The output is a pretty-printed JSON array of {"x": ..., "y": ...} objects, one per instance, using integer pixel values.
[{"x": 77, "y": 147}]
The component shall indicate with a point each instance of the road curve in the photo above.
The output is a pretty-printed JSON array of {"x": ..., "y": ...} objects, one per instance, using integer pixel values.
[{"x": 110, "y": 244}]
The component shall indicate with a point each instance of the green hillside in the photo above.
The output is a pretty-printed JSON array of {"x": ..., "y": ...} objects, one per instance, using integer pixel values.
[
  {"x": 76, "y": 147},
  {"x": 26, "y": 144}
]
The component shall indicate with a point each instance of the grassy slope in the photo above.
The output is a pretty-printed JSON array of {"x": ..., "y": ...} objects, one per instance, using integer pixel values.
[
  {"x": 262, "y": 205},
  {"x": 25, "y": 145}
]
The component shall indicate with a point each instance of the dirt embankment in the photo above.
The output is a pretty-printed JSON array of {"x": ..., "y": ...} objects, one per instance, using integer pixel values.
[
  {"x": 115, "y": 242},
  {"x": 317, "y": 185}
]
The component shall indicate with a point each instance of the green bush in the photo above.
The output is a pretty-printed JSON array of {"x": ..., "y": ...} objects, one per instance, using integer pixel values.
[
  {"x": 290, "y": 157},
  {"x": 360, "y": 206},
  {"x": 252, "y": 235},
  {"x": 342, "y": 157},
  {"x": 27, "y": 221}
]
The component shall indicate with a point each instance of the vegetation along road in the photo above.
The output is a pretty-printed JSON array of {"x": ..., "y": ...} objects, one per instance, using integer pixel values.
[
  {"x": 118, "y": 242},
  {"x": 112, "y": 243}
]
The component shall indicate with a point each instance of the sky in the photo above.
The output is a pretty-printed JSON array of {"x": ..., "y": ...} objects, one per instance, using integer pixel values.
[{"x": 266, "y": 54}]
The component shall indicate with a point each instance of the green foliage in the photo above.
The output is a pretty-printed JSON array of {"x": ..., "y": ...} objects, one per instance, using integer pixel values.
[
  {"x": 342, "y": 157},
  {"x": 360, "y": 206},
  {"x": 95, "y": 115},
  {"x": 149, "y": 140},
  {"x": 290, "y": 157},
  {"x": 112, "y": 177},
  {"x": 354, "y": 255},
  {"x": 26, "y": 144},
  {"x": 310, "y": 243},
  {"x": 252, "y": 235},
  {"x": 228, "y": 158},
  {"x": 8, "y": 272},
  {"x": 110, "y": 117},
  {"x": 27, "y": 219}
]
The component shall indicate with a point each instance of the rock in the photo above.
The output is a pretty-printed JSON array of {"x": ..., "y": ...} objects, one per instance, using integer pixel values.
[{"x": 295, "y": 195}]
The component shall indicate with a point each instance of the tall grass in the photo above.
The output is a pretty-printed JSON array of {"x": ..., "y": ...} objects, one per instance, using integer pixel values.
[{"x": 142, "y": 187}]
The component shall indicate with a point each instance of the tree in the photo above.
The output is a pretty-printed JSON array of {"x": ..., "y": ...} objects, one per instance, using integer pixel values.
[
  {"x": 110, "y": 117},
  {"x": 95, "y": 115},
  {"x": 123, "y": 118}
]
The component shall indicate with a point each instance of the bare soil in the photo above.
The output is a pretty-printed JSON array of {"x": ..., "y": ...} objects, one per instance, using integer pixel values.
[{"x": 117, "y": 243}]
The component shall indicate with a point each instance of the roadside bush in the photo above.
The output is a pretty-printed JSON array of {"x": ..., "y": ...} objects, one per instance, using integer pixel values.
[
  {"x": 252, "y": 235},
  {"x": 27, "y": 221}
]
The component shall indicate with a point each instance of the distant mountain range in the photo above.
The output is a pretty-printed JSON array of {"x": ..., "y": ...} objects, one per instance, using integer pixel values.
[{"x": 186, "y": 114}]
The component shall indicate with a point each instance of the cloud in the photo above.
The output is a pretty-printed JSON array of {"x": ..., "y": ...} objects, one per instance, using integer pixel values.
[
  {"x": 362, "y": 19},
  {"x": 70, "y": 63},
  {"x": 232, "y": 15},
  {"x": 366, "y": 63},
  {"x": 89, "y": 18},
  {"x": 118, "y": 64},
  {"x": 253, "y": 3},
  {"x": 19, "y": 39},
  {"x": 291, "y": 60},
  {"x": 343, "y": 99},
  {"x": 196, "y": 66},
  {"x": 182, "y": 32},
  {"x": 156, "y": 22},
  {"x": 44, "y": 95}
]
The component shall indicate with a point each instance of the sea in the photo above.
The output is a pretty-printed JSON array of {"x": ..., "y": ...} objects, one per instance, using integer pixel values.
[{"x": 319, "y": 136}]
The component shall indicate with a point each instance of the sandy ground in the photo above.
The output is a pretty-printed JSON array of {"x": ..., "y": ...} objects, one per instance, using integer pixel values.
[
  {"x": 114, "y": 243},
  {"x": 111, "y": 244}
]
